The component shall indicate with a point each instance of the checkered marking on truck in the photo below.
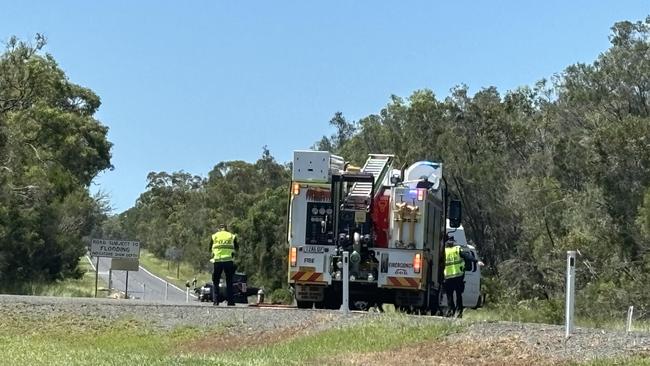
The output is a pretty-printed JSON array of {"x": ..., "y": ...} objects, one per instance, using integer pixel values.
[
  {"x": 403, "y": 282},
  {"x": 306, "y": 276}
]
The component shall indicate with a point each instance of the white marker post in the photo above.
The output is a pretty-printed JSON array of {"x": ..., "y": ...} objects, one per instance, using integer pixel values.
[
  {"x": 144, "y": 290},
  {"x": 345, "y": 307},
  {"x": 187, "y": 294},
  {"x": 570, "y": 290},
  {"x": 630, "y": 314},
  {"x": 166, "y": 290}
]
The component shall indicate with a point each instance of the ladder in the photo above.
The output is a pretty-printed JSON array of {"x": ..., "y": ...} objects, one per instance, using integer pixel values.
[{"x": 377, "y": 165}]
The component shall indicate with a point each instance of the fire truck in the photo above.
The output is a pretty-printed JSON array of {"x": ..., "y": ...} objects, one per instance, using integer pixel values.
[{"x": 392, "y": 222}]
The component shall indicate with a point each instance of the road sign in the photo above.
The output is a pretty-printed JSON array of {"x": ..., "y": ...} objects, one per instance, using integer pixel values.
[
  {"x": 174, "y": 254},
  {"x": 115, "y": 248},
  {"x": 124, "y": 264}
]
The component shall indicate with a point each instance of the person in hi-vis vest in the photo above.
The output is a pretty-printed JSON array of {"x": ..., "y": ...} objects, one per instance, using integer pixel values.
[
  {"x": 455, "y": 259},
  {"x": 223, "y": 245}
]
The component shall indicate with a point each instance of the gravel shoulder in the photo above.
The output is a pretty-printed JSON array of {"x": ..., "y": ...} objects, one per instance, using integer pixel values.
[
  {"x": 548, "y": 343},
  {"x": 475, "y": 343},
  {"x": 167, "y": 316},
  {"x": 515, "y": 344}
]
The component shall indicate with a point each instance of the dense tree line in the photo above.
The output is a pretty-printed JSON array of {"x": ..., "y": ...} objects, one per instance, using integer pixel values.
[
  {"x": 51, "y": 148},
  {"x": 181, "y": 211}
]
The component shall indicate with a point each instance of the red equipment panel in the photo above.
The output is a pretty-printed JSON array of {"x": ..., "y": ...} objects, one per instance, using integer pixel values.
[{"x": 380, "y": 219}]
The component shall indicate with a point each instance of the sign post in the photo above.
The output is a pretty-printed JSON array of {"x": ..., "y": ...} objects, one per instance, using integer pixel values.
[
  {"x": 345, "y": 307},
  {"x": 126, "y": 288},
  {"x": 110, "y": 279},
  {"x": 570, "y": 290},
  {"x": 96, "y": 275}
]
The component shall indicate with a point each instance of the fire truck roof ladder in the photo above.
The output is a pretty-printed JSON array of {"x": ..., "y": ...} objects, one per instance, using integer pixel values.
[{"x": 377, "y": 165}]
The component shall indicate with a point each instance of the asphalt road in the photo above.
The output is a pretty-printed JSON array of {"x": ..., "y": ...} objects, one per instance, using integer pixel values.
[{"x": 143, "y": 285}]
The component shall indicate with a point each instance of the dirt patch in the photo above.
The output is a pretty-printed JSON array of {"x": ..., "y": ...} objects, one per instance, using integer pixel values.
[
  {"x": 502, "y": 351},
  {"x": 238, "y": 338},
  {"x": 232, "y": 341}
]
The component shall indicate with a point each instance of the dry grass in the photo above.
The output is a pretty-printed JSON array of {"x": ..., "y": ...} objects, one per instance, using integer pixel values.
[
  {"x": 230, "y": 341},
  {"x": 450, "y": 352}
]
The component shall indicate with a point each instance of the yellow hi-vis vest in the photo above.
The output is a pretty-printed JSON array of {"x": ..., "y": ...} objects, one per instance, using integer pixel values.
[
  {"x": 453, "y": 262},
  {"x": 223, "y": 246}
]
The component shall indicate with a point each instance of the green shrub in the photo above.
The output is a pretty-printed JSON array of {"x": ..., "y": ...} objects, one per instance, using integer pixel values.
[
  {"x": 281, "y": 296},
  {"x": 606, "y": 300},
  {"x": 529, "y": 311}
]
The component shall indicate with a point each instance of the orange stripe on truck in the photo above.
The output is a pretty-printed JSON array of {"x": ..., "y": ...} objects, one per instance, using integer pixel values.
[
  {"x": 403, "y": 282},
  {"x": 315, "y": 277},
  {"x": 303, "y": 276}
]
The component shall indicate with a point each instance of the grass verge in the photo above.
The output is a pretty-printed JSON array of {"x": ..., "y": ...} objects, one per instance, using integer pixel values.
[
  {"x": 528, "y": 314},
  {"x": 330, "y": 346},
  {"x": 82, "y": 287},
  {"x": 168, "y": 271},
  {"x": 64, "y": 340}
]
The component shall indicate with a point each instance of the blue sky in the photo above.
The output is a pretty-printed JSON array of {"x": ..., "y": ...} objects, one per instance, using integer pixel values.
[{"x": 185, "y": 85}]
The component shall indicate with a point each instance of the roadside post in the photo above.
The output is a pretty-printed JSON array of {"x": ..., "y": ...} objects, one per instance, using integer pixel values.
[
  {"x": 187, "y": 291},
  {"x": 144, "y": 290},
  {"x": 570, "y": 291},
  {"x": 166, "y": 290},
  {"x": 630, "y": 314},
  {"x": 345, "y": 307}
]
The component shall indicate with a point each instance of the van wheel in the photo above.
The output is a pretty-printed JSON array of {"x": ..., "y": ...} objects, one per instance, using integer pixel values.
[{"x": 481, "y": 301}]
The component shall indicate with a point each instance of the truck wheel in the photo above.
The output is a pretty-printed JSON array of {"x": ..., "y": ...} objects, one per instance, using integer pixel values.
[
  {"x": 404, "y": 309},
  {"x": 360, "y": 305},
  {"x": 434, "y": 302},
  {"x": 332, "y": 303},
  {"x": 305, "y": 304}
]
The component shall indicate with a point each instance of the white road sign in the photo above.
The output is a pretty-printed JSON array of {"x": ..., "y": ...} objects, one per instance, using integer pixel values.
[{"x": 115, "y": 248}]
